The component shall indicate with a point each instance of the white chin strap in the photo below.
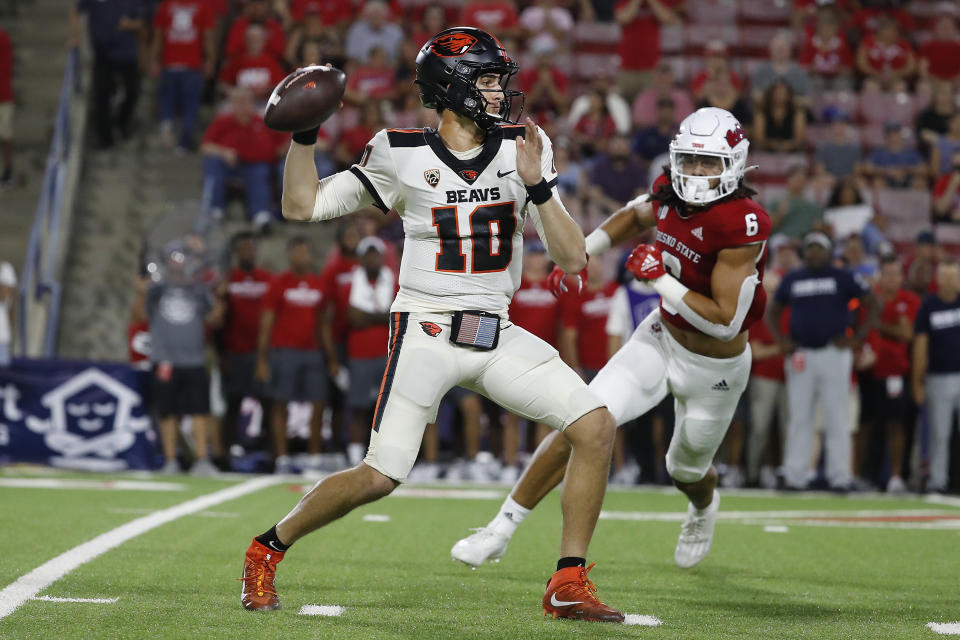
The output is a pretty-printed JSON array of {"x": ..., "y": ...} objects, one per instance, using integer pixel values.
[{"x": 698, "y": 190}]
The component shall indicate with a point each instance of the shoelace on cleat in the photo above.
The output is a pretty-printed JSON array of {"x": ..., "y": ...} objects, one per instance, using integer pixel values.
[
  {"x": 693, "y": 528},
  {"x": 584, "y": 588},
  {"x": 256, "y": 580}
]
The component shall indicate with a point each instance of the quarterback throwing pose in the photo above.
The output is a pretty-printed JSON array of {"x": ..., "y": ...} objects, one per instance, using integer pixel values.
[
  {"x": 707, "y": 265},
  {"x": 464, "y": 192}
]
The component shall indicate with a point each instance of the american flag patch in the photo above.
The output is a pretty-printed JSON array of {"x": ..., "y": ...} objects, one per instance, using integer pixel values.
[{"x": 479, "y": 331}]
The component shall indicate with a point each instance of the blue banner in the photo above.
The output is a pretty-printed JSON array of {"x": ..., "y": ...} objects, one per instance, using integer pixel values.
[{"x": 74, "y": 414}]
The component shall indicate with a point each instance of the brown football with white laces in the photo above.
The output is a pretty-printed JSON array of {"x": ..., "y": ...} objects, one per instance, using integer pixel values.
[{"x": 305, "y": 98}]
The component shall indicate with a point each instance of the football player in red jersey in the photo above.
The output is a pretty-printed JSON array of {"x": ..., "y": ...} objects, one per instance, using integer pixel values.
[{"x": 707, "y": 265}]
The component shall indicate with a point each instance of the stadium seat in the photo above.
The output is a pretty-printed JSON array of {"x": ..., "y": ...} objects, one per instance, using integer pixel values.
[
  {"x": 596, "y": 37},
  {"x": 880, "y": 108},
  {"x": 698, "y": 35},
  {"x": 872, "y": 136},
  {"x": 775, "y": 11},
  {"x": 682, "y": 67},
  {"x": 592, "y": 65},
  {"x": 949, "y": 235},
  {"x": 755, "y": 38},
  {"x": 818, "y": 133},
  {"x": 905, "y": 211},
  {"x": 845, "y": 101},
  {"x": 712, "y": 12},
  {"x": 773, "y": 167},
  {"x": 672, "y": 39}
]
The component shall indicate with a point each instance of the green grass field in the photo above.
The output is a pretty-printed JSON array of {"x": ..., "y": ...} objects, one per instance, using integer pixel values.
[{"x": 865, "y": 574}]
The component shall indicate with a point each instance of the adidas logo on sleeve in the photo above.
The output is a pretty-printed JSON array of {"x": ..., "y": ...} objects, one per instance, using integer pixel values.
[{"x": 721, "y": 386}]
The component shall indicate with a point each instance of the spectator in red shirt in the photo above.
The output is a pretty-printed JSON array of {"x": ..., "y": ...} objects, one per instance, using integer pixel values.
[
  {"x": 432, "y": 22},
  {"x": 583, "y": 336},
  {"x": 239, "y": 145},
  {"x": 354, "y": 139},
  {"x": 373, "y": 287},
  {"x": 183, "y": 50},
  {"x": 332, "y": 13},
  {"x": 535, "y": 309},
  {"x": 946, "y": 194},
  {"x": 294, "y": 348},
  {"x": 545, "y": 85},
  {"x": 498, "y": 17},
  {"x": 594, "y": 129},
  {"x": 939, "y": 55},
  {"x": 827, "y": 56},
  {"x": 718, "y": 67},
  {"x": 138, "y": 330},
  {"x": 6, "y": 109},
  {"x": 256, "y": 12},
  {"x": 886, "y": 57},
  {"x": 767, "y": 393},
  {"x": 245, "y": 292},
  {"x": 256, "y": 69},
  {"x": 640, "y": 22},
  {"x": 376, "y": 79},
  {"x": 885, "y": 393}
]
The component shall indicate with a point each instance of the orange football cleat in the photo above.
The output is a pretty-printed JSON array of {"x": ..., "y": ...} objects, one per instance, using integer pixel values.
[
  {"x": 259, "y": 572},
  {"x": 570, "y": 594}
]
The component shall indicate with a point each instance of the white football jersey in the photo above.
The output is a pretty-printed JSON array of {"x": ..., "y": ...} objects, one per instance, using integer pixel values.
[{"x": 463, "y": 219}]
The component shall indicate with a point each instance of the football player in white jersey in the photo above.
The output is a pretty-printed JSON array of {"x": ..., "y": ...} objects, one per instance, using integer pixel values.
[{"x": 463, "y": 191}]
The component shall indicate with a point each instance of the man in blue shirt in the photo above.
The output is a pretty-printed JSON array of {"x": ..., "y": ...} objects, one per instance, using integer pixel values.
[
  {"x": 936, "y": 355},
  {"x": 819, "y": 357},
  {"x": 114, "y": 27}
]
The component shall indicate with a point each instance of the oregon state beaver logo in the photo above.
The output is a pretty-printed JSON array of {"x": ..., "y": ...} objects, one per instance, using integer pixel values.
[
  {"x": 430, "y": 328},
  {"x": 453, "y": 45}
]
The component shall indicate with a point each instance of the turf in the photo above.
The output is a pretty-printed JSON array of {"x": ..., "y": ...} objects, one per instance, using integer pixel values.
[{"x": 396, "y": 579}]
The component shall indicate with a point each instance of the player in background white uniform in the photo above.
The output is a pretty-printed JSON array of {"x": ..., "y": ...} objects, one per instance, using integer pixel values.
[
  {"x": 706, "y": 265},
  {"x": 463, "y": 192}
]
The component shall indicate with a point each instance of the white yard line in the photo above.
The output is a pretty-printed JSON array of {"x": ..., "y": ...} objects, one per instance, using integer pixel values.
[
  {"x": 680, "y": 516},
  {"x": 205, "y": 514},
  {"x": 109, "y": 485},
  {"x": 90, "y": 600},
  {"x": 945, "y": 628},
  {"x": 376, "y": 517},
  {"x": 29, "y": 585},
  {"x": 644, "y": 621},
  {"x": 329, "y": 610}
]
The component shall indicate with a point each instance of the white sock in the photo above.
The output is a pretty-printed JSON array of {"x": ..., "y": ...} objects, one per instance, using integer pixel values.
[{"x": 509, "y": 518}]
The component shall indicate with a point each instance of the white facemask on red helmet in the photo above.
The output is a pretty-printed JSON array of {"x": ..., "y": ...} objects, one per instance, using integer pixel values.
[{"x": 710, "y": 132}]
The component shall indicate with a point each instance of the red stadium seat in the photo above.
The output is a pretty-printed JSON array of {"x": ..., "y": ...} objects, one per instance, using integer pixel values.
[
  {"x": 879, "y": 108},
  {"x": 755, "y": 38},
  {"x": 905, "y": 210},
  {"x": 698, "y": 35},
  {"x": 591, "y": 65},
  {"x": 712, "y": 12},
  {"x": 596, "y": 37},
  {"x": 776, "y": 11},
  {"x": 671, "y": 38}
]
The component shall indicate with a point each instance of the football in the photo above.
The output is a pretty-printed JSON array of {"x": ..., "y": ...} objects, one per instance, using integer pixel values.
[{"x": 305, "y": 99}]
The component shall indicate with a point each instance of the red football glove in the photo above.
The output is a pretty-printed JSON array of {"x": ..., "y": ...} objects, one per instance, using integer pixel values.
[
  {"x": 556, "y": 284},
  {"x": 646, "y": 262}
]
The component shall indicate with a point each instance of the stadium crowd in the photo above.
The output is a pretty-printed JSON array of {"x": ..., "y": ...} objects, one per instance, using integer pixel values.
[{"x": 851, "y": 109}]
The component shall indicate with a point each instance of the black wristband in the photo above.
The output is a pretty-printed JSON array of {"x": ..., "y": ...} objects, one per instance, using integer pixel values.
[
  {"x": 540, "y": 192},
  {"x": 308, "y": 137}
]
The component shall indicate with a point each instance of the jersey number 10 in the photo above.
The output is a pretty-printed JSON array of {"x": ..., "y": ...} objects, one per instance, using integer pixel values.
[{"x": 488, "y": 222}]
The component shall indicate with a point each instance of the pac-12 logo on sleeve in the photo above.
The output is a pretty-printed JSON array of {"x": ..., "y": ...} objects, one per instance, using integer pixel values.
[{"x": 432, "y": 176}]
